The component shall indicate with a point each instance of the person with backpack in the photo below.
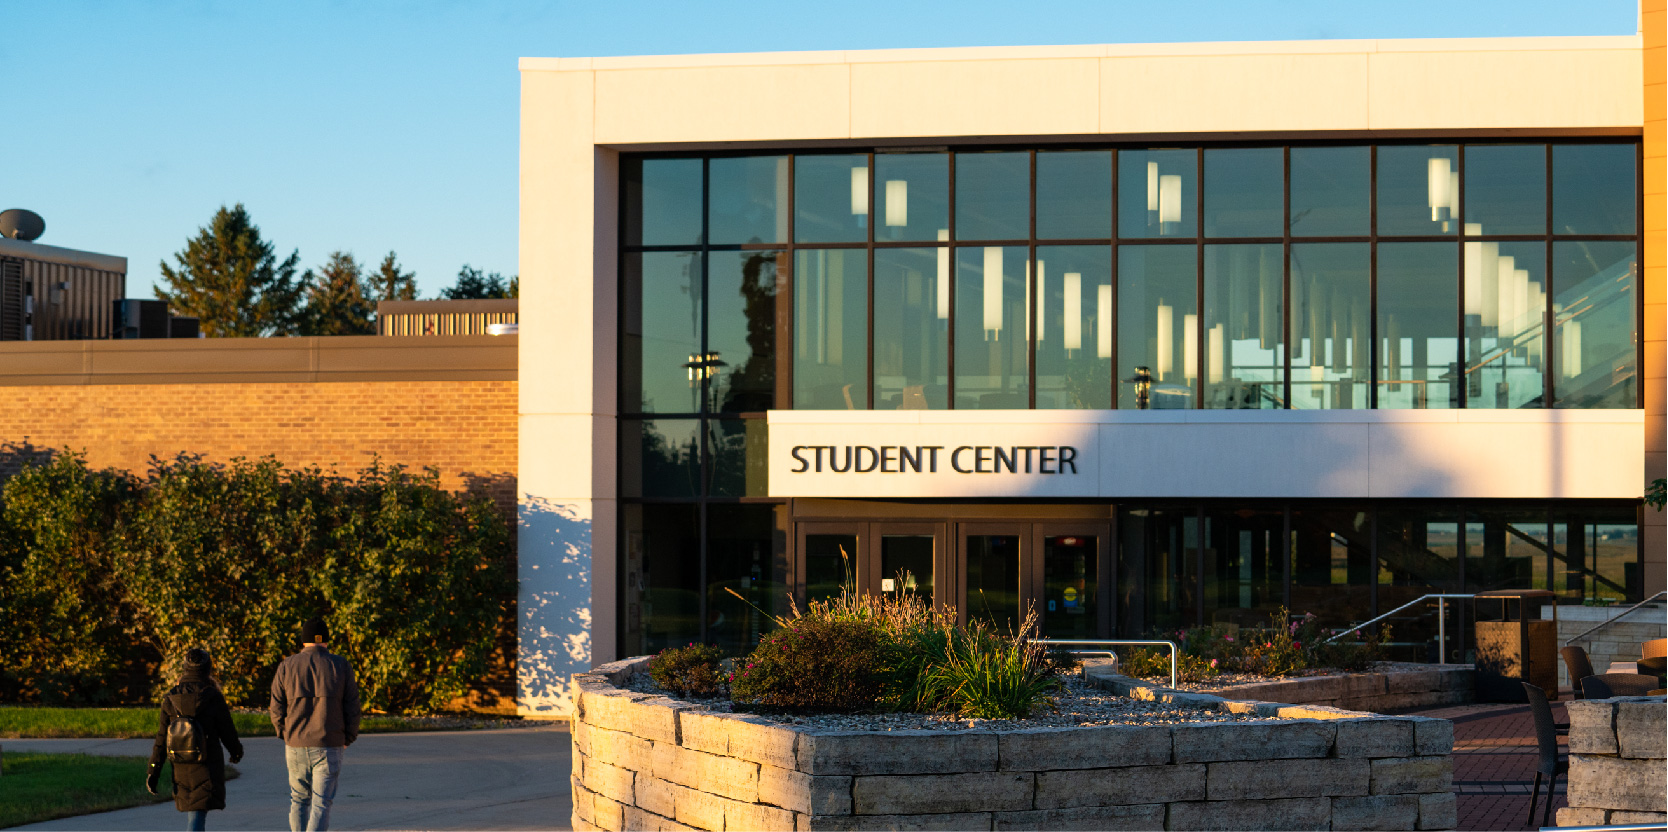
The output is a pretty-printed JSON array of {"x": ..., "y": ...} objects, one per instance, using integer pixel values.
[
  {"x": 315, "y": 707},
  {"x": 195, "y": 723}
]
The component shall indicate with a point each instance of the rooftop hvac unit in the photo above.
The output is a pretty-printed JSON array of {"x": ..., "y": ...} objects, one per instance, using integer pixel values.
[{"x": 139, "y": 319}]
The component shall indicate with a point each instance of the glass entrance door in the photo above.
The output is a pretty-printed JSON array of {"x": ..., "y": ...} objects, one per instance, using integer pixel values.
[
  {"x": 1070, "y": 568},
  {"x": 906, "y": 565},
  {"x": 994, "y": 588}
]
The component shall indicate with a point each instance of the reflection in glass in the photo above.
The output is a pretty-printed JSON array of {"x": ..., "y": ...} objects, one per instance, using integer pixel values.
[
  {"x": 1505, "y": 189},
  {"x": 1331, "y": 191},
  {"x": 1331, "y": 311},
  {"x": 1244, "y": 572},
  {"x": 1074, "y": 327},
  {"x": 1244, "y": 192},
  {"x": 1158, "y": 575},
  {"x": 912, "y": 196},
  {"x": 748, "y": 200},
  {"x": 1332, "y": 560},
  {"x": 1418, "y": 190},
  {"x": 1506, "y": 548},
  {"x": 830, "y": 330},
  {"x": 993, "y": 580},
  {"x": 1596, "y": 554},
  {"x": 906, "y": 565},
  {"x": 830, "y": 565},
  {"x": 1505, "y": 320},
  {"x": 741, "y": 558},
  {"x": 912, "y": 318},
  {"x": 831, "y": 198},
  {"x": 1593, "y": 189},
  {"x": 740, "y": 451},
  {"x": 1594, "y": 358},
  {"x": 661, "y": 585},
  {"x": 741, "y": 330},
  {"x": 662, "y": 341},
  {"x": 1074, "y": 194},
  {"x": 1069, "y": 589},
  {"x": 1158, "y": 326},
  {"x": 1157, "y": 193},
  {"x": 663, "y": 202},
  {"x": 1245, "y": 356},
  {"x": 993, "y": 196},
  {"x": 1418, "y": 554},
  {"x": 1418, "y": 308},
  {"x": 660, "y": 458},
  {"x": 992, "y": 356}
]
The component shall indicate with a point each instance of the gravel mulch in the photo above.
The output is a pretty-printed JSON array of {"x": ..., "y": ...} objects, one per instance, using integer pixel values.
[
  {"x": 1078, "y": 704},
  {"x": 1228, "y": 680}
]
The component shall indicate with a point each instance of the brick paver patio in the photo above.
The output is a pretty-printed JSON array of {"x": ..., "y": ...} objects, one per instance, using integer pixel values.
[{"x": 1494, "y": 764}]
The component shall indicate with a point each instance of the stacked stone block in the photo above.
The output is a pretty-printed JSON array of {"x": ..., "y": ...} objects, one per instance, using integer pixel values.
[
  {"x": 1377, "y": 691},
  {"x": 1618, "y": 769},
  {"x": 647, "y": 762}
]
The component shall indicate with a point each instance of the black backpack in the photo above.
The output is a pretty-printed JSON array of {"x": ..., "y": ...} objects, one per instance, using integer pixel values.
[{"x": 185, "y": 737}]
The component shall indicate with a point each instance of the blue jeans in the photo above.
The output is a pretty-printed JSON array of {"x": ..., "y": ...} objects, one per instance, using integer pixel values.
[
  {"x": 313, "y": 773},
  {"x": 194, "y": 821}
]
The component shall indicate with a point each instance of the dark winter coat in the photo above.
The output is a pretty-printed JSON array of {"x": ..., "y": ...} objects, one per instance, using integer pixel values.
[{"x": 199, "y": 786}]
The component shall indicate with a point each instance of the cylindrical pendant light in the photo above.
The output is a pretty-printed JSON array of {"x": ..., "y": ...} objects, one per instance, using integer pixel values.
[
  {"x": 943, "y": 276},
  {"x": 1041, "y": 293},
  {"x": 1572, "y": 350},
  {"x": 1152, "y": 189},
  {"x": 1216, "y": 354},
  {"x": 859, "y": 191},
  {"x": 993, "y": 293},
  {"x": 1166, "y": 320},
  {"x": 1438, "y": 180},
  {"x": 1071, "y": 312},
  {"x": 1190, "y": 346},
  {"x": 897, "y": 203},
  {"x": 1103, "y": 321},
  {"x": 1505, "y": 297},
  {"x": 1169, "y": 202}
]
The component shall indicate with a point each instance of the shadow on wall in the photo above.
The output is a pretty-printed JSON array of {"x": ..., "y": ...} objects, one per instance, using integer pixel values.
[
  {"x": 15, "y": 455},
  {"x": 553, "y": 605}
]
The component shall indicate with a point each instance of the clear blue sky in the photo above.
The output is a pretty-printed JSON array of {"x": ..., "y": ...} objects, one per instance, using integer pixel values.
[{"x": 376, "y": 126}]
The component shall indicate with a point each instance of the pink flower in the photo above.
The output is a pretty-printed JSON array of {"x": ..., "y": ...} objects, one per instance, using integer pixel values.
[{"x": 1229, "y": 638}]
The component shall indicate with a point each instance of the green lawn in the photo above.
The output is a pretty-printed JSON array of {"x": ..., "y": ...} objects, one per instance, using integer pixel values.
[
  {"x": 22, "y": 722},
  {"x": 40, "y": 786}
]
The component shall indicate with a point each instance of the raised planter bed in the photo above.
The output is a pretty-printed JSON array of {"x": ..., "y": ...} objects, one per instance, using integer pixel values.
[
  {"x": 651, "y": 762},
  {"x": 1394, "y": 687}
]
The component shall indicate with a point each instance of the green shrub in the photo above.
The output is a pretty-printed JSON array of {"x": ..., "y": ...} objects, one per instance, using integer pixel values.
[
  {"x": 817, "y": 665},
  {"x": 989, "y": 676},
  {"x": 689, "y": 671},
  {"x": 1282, "y": 648}
]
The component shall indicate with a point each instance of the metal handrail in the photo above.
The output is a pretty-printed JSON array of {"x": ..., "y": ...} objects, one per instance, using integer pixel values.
[
  {"x": 1607, "y": 622},
  {"x": 1441, "y": 621},
  {"x": 1625, "y": 827},
  {"x": 1174, "y": 651}
]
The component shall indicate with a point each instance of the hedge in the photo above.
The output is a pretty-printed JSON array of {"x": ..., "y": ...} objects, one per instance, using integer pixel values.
[{"x": 107, "y": 578}]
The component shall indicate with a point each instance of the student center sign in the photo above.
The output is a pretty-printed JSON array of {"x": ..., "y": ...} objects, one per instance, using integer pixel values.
[{"x": 1140, "y": 337}]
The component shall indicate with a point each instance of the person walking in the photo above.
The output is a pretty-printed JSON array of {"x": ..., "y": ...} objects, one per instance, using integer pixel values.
[
  {"x": 315, "y": 707},
  {"x": 195, "y": 723}
]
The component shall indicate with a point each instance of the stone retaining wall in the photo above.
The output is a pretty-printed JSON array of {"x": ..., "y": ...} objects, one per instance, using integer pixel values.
[
  {"x": 1617, "y": 761},
  {"x": 648, "y": 762},
  {"x": 1376, "y": 691}
]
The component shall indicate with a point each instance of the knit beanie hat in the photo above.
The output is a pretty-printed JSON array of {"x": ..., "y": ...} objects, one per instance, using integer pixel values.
[
  {"x": 314, "y": 631},
  {"x": 197, "y": 662}
]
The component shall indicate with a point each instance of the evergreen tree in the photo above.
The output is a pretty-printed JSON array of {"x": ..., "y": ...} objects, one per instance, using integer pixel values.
[
  {"x": 389, "y": 283},
  {"x": 338, "y": 301},
  {"x": 473, "y": 285},
  {"x": 230, "y": 280}
]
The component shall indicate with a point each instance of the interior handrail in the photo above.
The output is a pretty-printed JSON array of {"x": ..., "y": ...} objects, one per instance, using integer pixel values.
[
  {"x": 1438, "y": 595},
  {"x": 1607, "y": 622}
]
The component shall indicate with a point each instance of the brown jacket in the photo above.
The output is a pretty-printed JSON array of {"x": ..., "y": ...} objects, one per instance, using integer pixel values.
[{"x": 315, "y": 702}]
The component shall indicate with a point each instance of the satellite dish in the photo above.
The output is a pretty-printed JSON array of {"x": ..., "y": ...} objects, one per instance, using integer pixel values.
[{"x": 21, "y": 224}]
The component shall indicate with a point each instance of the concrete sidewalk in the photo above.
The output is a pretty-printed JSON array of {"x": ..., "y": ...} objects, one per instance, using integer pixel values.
[{"x": 508, "y": 779}]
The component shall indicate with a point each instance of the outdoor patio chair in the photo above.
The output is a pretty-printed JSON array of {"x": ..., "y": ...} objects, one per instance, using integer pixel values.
[
  {"x": 1653, "y": 658},
  {"x": 1608, "y": 685},
  {"x": 1546, "y": 741},
  {"x": 1575, "y": 661}
]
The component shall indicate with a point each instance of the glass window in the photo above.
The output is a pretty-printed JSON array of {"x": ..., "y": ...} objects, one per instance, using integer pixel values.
[
  {"x": 1332, "y": 563},
  {"x": 1158, "y": 557},
  {"x": 830, "y": 565},
  {"x": 663, "y": 202},
  {"x": 993, "y": 196},
  {"x": 1418, "y": 190},
  {"x": 1506, "y": 548},
  {"x": 662, "y": 341},
  {"x": 1331, "y": 191},
  {"x": 1158, "y": 327},
  {"x": 1331, "y": 334},
  {"x": 742, "y": 558},
  {"x": 1244, "y": 192},
  {"x": 906, "y": 565},
  {"x": 1595, "y": 554},
  {"x": 662, "y": 581},
  {"x": 911, "y": 337},
  {"x": 1505, "y": 318},
  {"x": 1157, "y": 193},
  {"x": 1074, "y": 194},
  {"x": 1070, "y": 564},
  {"x": 749, "y": 199},
  {"x": 831, "y": 330},
  {"x": 660, "y": 458},
  {"x": 1593, "y": 189},
  {"x": 992, "y": 354},
  {"x": 741, "y": 329},
  {"x": 831, "y": 198},
  {"x": 1418, "y": 314},
  {"x": 912, "y": 196},
  {"x": 1245, "y": 576},
  {"x": 1505, "y": 189},
  {"x": 1074, "y": 327},
  {"x": 740, "y": 451},
  {"x": 1594, "y": 357},
  {"x": 1418, "y": 554},
  {"x": 993, "y": 580},
  {"x": 1245, "y": 355}
]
